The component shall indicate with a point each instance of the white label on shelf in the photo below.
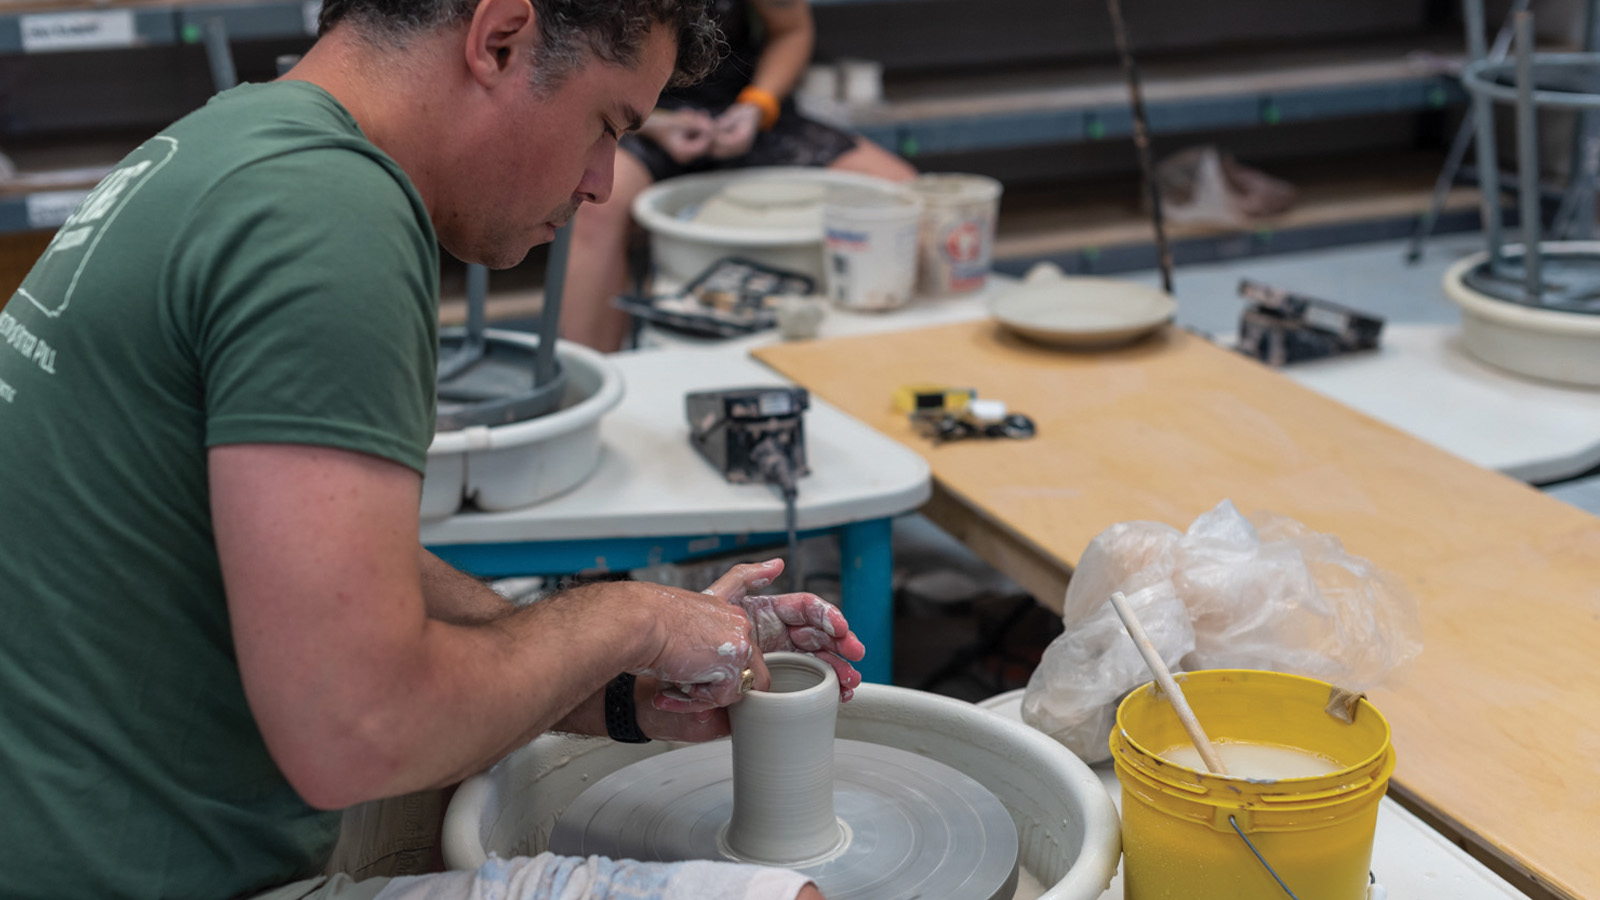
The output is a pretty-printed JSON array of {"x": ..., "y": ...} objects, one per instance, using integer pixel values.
[
  {"x": 310, "y": 10},
  {"x": 44, "y": 32},
  {"x": 48, "y": 209}
]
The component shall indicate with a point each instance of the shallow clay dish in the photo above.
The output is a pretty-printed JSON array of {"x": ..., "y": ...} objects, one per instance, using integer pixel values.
[{"x": 1081, "y": 313}]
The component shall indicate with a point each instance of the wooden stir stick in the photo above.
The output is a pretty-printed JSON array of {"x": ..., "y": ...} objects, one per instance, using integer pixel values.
[{"x": 1208, "y": 753}]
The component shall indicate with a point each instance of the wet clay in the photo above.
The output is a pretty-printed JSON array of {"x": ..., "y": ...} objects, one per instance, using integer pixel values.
[
  {"x": 865, "y": 821},
  {"x": 783, "y": 765}
]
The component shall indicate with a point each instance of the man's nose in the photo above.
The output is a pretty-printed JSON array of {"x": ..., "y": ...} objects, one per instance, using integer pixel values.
[{"x": 598, "y": 172}]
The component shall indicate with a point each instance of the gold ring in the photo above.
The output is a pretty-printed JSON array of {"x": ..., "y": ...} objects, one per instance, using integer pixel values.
[{"x": 747, "y": 680}]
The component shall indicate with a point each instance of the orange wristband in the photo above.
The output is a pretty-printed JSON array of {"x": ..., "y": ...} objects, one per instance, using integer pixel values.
[{"x": 763, "y": 99}]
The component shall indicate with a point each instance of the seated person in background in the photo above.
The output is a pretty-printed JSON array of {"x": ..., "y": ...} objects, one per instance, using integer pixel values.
[{"x": 742, "y": 115}]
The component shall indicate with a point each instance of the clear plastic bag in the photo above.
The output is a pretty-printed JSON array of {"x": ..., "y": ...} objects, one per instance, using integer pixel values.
[{"x": 1228, "y": 593}]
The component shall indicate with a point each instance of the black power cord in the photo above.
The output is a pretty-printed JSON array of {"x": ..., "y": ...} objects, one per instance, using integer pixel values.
[{"x": 778, "y": 470}]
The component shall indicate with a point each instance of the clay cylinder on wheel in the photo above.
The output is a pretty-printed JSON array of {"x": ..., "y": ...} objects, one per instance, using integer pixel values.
[{"x": 783, "y": 764}]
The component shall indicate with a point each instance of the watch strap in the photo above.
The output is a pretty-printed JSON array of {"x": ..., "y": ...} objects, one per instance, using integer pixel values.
[{"x": 622, "y": 722}]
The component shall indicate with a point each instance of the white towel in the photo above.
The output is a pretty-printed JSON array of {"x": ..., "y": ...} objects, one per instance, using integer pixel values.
[{"x": 550, "y": 877}]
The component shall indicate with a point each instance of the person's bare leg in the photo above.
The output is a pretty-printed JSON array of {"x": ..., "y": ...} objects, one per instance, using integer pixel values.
[
  {"x": 870, "y": 159},
  {"x": 597, "y": 264}
]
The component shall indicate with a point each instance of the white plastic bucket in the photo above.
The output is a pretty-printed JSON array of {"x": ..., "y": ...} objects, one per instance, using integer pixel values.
[
  {"x": 957, "y": 237},
  {"x": 523, "y": 463},
  {"x": 869, "y": 248},
  {"x": 681, "y": 248}
]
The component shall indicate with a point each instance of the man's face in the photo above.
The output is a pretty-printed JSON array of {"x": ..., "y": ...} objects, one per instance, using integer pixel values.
[{"x": 550, "y": 150}]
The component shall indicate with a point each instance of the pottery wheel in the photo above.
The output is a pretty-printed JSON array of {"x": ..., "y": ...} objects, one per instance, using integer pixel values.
[{"x": 914, "y": 828}]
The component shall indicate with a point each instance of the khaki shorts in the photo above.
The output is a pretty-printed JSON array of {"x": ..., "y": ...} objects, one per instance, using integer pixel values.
[
  {"x": 377, "y": 841},
  {"x": 382, "y": 841},
  {"x": 327, "y": 887}
]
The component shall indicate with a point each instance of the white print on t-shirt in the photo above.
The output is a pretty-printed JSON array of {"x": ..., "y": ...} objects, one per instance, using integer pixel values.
[
  {"x": 15, "y": 335},
  {"x": 74, "y": 243}
]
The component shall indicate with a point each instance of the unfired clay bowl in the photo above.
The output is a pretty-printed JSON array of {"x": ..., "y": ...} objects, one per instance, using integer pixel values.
[{"x": 1081, "y": 313}]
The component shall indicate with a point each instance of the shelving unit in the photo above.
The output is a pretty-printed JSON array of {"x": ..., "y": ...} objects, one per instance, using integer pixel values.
[
  {"x": 1031, "y": 91},
  {"x": 56, "y": 179},
  {"x": 1052, "y": 87},
  {"x": 1101, "y": 229},
  {"x": 1076, "y": 104},
  {"x": 59, "y": 27}
]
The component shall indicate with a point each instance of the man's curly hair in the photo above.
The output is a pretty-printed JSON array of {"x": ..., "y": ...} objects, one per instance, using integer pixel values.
[{"x": 569, "y": 30}]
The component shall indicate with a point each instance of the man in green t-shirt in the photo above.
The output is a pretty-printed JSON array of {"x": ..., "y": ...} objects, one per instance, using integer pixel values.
[{"x": 216, "y": 397}]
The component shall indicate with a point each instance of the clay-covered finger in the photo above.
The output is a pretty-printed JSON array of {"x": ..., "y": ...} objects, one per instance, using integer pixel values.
[
  {"x": 849, "y": 678},
  {"x": 758, "y": 666},
  {"x": 696, "y": 726},
  {"x": 745, "y": 579},
  {"x": 806, "y": 622},
  {"x": 809, "y": 609},
  {"x": 677, "y": 699}
]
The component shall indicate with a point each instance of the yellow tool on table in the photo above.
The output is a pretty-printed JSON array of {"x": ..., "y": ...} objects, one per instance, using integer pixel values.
[
  {"x": 932, "y": 399},
  {"x": 946, "y": 413}
]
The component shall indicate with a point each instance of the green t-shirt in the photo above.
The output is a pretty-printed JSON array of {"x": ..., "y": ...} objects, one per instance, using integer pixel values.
[{"x": 258, "y": 272}]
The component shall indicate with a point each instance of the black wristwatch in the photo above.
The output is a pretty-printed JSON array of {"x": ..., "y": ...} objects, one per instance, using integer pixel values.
[{"x": 622, "y": 724}]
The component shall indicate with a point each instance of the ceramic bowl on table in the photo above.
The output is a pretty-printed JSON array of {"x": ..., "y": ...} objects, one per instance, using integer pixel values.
[{"x": 1081, "y": 313}]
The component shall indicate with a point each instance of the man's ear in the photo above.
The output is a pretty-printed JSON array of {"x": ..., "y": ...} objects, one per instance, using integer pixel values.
[{"x": 500, "y": 40}]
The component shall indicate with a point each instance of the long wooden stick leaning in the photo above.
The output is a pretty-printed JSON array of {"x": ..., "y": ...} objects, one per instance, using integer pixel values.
[
  {"x": 1141, "y": 141},
  {"x": 1208, "y": 753}
]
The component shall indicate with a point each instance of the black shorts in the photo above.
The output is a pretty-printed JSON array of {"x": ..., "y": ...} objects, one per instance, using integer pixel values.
[{"x": 793, "y": 140}]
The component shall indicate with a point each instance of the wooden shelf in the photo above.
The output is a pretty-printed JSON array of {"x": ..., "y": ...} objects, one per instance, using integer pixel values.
[
  {"x": 943, "y": 113},
  {"x": 1083, "y": 227}
]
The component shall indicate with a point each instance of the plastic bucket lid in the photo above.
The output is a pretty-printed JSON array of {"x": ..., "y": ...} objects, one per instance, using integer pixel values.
[
  {"x": 955, "y": 188},
  {"x": 872, "y": 206},
  {"x": 1185, "y": 832}
]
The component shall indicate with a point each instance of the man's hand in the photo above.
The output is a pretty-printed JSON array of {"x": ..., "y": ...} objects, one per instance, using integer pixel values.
[
  {"x": 703, "y": 644},
  {"x": 735, "y": 130},
  {"x": 686, "y": 134},
  {"x": 799, "y": 622}
]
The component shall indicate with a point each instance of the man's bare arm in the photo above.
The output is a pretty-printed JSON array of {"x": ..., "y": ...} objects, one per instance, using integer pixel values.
[
  {"x": 454, "y": 596},
  {"x": 358, "y": 690}
]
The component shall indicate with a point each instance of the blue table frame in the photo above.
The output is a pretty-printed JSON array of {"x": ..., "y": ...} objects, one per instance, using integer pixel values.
[{"x": 865, "y": 573}]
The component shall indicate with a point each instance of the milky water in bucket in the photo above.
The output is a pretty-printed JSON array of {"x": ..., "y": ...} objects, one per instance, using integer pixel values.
[
  {"x": 1257, "y": 762},
  {"x": 1185, "y": 830},
  {"x": 957, "y": 232},
  {"x": 869, "y": 246}
]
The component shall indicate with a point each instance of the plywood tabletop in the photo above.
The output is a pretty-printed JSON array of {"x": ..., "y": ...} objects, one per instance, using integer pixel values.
[{"x": 1497, "y": 726}]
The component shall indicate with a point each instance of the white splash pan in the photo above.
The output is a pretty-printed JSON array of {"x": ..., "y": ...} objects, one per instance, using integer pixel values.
[
  {"x": 1067, "y": 826},
  {"x": 509, "y": 466},
  {"x": 682, "y": 249},
  {"x": 1541, "y": 343}
]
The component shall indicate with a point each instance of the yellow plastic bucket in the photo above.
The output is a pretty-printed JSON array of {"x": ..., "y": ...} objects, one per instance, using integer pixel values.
[{"x": 1178, "y": 825}]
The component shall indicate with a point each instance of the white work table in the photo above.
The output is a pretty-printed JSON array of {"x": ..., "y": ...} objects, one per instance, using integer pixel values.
[
  {"x": 1422, "y": 381},
  {"x": 654, "y": 499}
]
